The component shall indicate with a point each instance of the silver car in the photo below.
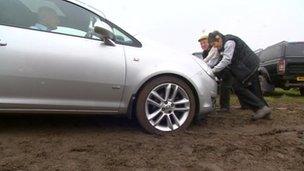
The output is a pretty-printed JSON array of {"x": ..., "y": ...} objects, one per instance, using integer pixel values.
[{"x": 63, "y": 56}]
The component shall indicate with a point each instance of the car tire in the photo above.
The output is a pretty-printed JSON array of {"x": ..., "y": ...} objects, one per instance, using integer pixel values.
[
  {"x": 262, "y": 83},
  {"x": 165, "y": 105},
  {"x": 265, "y": 86},
  {"x": 302, "y": 91}
]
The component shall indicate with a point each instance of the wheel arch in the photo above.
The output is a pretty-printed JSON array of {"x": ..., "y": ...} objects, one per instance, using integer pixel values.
[
  {"x": 264, "y": 72},
  {"x": 133, "y": 100}
]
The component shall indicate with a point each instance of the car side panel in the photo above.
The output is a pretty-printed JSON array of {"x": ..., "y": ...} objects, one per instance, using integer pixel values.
[{"x": 47, "y": 70}]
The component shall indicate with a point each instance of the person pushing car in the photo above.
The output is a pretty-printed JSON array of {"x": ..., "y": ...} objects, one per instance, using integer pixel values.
[
  {"x": 211, "y": 56},
  {"x": 243, "y": 64}
]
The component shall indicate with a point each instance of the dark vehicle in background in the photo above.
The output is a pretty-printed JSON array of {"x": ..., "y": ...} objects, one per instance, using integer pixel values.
[{"x": 282, "y": 66}]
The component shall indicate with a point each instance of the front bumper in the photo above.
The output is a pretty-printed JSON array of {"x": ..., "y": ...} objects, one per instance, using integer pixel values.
[{"x": 206, "y": 88}]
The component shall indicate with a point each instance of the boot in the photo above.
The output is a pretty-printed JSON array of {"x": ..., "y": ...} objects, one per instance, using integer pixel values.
[{"x": 263, "y": 113}]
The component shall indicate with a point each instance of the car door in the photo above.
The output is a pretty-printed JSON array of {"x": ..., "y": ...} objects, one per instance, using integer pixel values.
[{"x": 65, "y": 68}]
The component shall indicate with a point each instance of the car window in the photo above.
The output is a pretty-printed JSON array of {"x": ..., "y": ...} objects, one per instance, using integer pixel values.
[
  {"x": 34, "y": 5},
  {"x": 15, "y": 13},
  {"x": 55, "y": 16},
  {"x": 59, "y": 16},
  {"x": 121, "y": 37},
  {"x": 295, "y": 49},
  {"x": 272, "y": 52}
]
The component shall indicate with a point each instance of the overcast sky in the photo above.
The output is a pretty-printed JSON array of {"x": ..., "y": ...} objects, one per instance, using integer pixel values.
[{"x": 179, "y": 23}]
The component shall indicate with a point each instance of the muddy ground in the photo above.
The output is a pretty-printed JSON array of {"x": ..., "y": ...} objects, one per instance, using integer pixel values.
[{"x": 224, "y": 142}]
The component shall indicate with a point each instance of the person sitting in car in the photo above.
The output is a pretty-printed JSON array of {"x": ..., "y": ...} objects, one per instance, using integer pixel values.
[{"x": 47, "y": 19}]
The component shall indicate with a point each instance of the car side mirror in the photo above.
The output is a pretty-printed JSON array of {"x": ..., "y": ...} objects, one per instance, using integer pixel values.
[{"x": 106, "y": 35}]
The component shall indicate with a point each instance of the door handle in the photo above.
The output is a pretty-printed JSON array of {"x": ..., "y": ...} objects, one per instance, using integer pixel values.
[{"x": 2, "y": 43}]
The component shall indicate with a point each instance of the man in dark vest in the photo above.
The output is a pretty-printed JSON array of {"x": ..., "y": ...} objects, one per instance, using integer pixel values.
[{"x": 243, "y": 64}]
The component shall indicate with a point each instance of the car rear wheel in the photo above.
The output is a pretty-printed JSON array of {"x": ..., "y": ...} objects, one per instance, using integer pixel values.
[
  {"x": 165, "y": 105},
  {"x": 265, "y": 86},
  {"x": 302, "y": 91}
]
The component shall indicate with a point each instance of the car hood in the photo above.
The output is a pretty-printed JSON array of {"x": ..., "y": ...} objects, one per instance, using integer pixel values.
[{"x": 160, "y": 54}]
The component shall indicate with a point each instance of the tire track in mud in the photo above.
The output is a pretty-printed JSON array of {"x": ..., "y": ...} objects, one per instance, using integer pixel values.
[{"x": 281, "y": 131}]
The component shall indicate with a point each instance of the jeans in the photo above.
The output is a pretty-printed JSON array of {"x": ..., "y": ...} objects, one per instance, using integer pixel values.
[
  {"x": 225, "y": 88},
  {"x": 250, "y": 93}
]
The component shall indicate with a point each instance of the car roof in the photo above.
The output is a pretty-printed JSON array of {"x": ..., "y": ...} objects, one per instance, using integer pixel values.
[
  {"x": 295, "y": 42},
  {"x": 284, "y": 43}
]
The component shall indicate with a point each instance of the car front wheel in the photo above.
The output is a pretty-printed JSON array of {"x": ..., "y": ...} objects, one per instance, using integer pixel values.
[{"x": 165, "y": 105}]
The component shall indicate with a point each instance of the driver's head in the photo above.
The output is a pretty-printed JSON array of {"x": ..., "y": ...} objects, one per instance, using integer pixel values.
[{"x": 48, "y": 17}]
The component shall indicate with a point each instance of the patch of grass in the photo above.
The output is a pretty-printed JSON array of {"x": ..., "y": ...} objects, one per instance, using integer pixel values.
[
  {"x": 279, "y": 96},
  {"x": 288, "y": 97},
  {"x": 281, "y": 92}
]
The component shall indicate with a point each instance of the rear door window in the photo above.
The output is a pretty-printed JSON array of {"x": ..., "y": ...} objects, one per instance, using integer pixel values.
[
  {"x": 273, "y": 52},
  {"x": 16, "y": 13}
]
